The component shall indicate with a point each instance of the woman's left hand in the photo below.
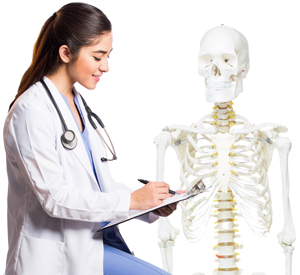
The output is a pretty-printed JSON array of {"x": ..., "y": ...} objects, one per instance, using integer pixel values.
[{"x": 168, "y": 209}]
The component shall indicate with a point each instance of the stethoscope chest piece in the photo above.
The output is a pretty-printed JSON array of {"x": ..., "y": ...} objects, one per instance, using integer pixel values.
[{"x": 69, "y": 139}]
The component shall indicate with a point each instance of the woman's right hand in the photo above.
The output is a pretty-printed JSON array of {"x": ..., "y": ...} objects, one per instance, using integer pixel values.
[{"x": 151, "y": 195}]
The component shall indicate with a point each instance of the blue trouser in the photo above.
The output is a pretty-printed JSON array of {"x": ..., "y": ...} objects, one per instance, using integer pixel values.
[{"x": 117, "y": 262}]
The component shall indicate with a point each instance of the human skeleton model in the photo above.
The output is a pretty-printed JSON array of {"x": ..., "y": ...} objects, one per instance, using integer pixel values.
[{"x": 232, "y": 157}]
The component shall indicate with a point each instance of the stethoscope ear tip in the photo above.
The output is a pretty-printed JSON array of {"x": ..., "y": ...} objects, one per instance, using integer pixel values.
[{"x": 103, "y": 159}]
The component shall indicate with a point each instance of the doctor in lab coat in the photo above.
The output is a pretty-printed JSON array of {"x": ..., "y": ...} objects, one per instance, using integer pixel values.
[{"x": 56, "y": 201}]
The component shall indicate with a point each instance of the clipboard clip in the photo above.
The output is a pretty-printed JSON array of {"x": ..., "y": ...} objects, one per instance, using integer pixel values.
[{"x": 198, "y": 187}]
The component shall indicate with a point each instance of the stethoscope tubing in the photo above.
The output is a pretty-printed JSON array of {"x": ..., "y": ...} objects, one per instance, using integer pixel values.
[
  {"x": 113, "y": 152},
  {"x": 70, "y": 143},
  {"x": 90, "y": 115},
  {"x": 55, "y": 105}
]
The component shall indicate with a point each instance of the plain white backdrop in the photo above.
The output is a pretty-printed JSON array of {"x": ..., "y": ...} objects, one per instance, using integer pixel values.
[{"x": 153, "y": 82}]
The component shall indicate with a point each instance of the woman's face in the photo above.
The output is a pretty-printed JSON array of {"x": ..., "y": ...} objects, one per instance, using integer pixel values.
[{"x": 91, "y": 63}]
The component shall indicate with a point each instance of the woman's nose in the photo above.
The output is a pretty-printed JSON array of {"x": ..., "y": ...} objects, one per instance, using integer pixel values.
[{"x": 104, "y": 65}]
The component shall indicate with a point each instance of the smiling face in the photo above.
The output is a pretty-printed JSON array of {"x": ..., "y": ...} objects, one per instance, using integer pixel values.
[{"x": 91, "y": 63}]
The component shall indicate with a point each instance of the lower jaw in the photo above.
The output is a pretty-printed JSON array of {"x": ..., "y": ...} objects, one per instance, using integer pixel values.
[{"x": 220, "y": 95}]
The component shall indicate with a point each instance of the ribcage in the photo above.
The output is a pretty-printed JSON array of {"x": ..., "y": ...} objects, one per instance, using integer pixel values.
[
  {"x": 200, "y": 162},
  {"x": 248, "y": 181}
]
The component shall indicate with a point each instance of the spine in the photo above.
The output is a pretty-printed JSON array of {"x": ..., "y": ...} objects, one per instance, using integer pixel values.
[
  {"x": 223, "y": 116},
  {"x": 226, "y": 255}
]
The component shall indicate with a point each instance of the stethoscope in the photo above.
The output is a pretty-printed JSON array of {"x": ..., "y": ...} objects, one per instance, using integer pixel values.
[{"x": 68, "y": 138}]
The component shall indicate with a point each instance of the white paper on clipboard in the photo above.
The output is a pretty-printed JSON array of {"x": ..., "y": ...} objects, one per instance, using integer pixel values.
[{"x": 197, "y": 189}]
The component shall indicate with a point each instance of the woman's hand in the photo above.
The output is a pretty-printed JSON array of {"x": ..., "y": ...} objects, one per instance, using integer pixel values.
[{"x": 151, "y": 195}]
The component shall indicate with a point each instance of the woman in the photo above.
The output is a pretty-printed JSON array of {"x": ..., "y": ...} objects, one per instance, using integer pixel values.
[{"x": 58, "y": 196}]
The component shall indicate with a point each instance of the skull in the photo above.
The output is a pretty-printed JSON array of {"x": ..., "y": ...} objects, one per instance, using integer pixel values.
[{"x": 224, "y": 62}]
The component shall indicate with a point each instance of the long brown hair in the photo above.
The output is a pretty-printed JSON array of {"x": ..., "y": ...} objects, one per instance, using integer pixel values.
[{"x": 76, "y": 25}]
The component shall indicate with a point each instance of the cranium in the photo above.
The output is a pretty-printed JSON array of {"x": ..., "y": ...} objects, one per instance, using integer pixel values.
[{"x": 224, "y": 62}]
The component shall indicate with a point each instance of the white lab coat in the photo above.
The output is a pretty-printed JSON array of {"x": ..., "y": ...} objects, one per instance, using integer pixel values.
[{"x": 54, "y": 203}]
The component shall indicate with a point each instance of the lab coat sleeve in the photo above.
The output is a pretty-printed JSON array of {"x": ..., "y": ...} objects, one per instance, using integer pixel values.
[{"x": 30, "y": 139}]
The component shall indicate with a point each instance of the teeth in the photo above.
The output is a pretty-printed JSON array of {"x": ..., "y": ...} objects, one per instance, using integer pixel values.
[{"x": 219, "y": 85}]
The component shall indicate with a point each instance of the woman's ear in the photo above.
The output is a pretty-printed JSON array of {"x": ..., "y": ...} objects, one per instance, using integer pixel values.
[{"x": 64, "y": 53}]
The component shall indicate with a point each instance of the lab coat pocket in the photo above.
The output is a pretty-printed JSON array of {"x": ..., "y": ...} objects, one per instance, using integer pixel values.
[{"x": 40, "y": 256}]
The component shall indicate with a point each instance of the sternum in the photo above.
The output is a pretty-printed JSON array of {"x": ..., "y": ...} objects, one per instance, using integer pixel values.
[
  {"x": 223, "y": 142},
  {"x": 225, "y": 223}
]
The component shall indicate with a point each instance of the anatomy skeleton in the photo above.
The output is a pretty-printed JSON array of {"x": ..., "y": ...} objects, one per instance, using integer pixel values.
[{"x": 232, "y": 157}]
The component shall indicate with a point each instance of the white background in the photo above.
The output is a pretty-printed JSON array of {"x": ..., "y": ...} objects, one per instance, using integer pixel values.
[{"x": 153, "y": 82}]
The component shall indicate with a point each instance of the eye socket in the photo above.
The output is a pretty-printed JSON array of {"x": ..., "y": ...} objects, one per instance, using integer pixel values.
[
  {"x": 205, "y": 61},
  {"x": 229, "y": 60},
  {"x": 96, "y": 58}
]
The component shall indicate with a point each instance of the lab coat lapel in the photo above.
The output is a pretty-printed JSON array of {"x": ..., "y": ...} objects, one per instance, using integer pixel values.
[
  {"x": 79, "y": 150},
  {"x": 98, "y": 150}
]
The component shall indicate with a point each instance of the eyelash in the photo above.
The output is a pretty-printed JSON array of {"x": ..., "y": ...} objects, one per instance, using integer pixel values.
[{"x": 98, "y": 59}]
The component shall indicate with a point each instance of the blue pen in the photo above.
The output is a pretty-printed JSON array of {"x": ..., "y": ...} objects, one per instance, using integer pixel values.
[{"x": 147, "y": 181}]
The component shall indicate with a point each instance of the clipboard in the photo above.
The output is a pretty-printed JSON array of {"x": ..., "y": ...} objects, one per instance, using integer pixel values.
[{"x": 198, "y": 188}]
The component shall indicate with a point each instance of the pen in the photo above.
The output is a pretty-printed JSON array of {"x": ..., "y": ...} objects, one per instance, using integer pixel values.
[{"x": 147, "y": 181}]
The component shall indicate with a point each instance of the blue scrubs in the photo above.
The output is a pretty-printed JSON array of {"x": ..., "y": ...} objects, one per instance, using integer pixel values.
[{"x": 115, "y": 261}]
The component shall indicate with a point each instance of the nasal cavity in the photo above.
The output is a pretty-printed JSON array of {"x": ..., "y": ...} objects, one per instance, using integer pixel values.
[{"x": 215, "y": 70}]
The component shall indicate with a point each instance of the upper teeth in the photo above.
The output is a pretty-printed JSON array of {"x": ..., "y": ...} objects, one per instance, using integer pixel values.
[{"x": 217, "y": 85}]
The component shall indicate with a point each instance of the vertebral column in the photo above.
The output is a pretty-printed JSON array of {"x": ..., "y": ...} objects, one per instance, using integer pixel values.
[{"x": 226, "y": 233}]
